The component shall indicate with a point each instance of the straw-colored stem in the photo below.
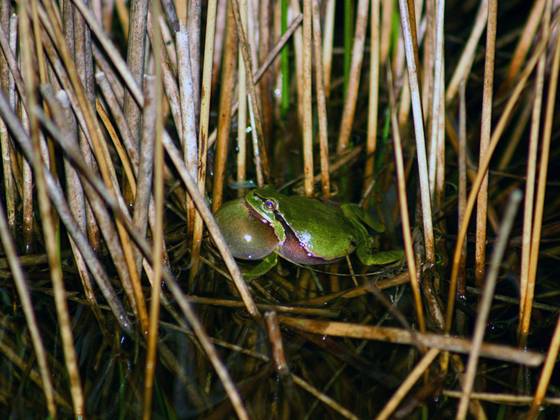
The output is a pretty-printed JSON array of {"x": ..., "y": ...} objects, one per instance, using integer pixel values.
[
  {"x": 531, "y": 176},
  {"x": 467, "y": 57},
  {"x": 486, "y": 301},
  {"x": 225, "y": 114},
  {"x": 462, "y": 184},
  {"x": 403, "y": 206},
  {"x": 153, "y": 100},
  {"x": 135, "y": 57},
  {"x": 485, "y": 132},
  {"x": 47, "y": 225},
  {"x": 483, "y": 167},
  {"x": 354, "y": 77},
  {"x": 546, "y": 374},
  {"x": 373, "y": 97},
  {"x": 328, "y": 37},
  {"x": 438, "y": 107},
  {"x": 321, "y": 102},
  {"x": 242, "y": 111},
  {"x": 410, "y": 49},
  {"x": 386, "y": 25},
  {"x": 307, "y": 111},
  {"x": 407, "y": 384},
  {"x": 406, "y": 337},
  {"x": 541, "y": 190}
]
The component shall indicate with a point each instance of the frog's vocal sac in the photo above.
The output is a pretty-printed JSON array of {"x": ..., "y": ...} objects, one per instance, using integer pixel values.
[{"x": 266, "y": 223}]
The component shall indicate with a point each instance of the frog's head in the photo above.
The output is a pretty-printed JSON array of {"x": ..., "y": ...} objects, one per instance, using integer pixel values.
[{"x": 264, "y": 202}]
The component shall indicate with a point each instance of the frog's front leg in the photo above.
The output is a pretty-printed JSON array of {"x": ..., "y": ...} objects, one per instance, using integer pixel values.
[
  {"x": 262, "y": 268},
  {"x": 368, "y": 257}
]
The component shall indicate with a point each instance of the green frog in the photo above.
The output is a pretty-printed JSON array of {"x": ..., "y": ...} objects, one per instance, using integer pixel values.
[{"x": 266, "y": 223}]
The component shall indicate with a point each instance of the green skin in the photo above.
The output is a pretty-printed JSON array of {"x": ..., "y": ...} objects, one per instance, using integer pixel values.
[{"x": 301, "y": 230}]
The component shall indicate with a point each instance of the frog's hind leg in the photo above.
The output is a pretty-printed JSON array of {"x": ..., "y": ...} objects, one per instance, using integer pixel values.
[{"x": 261, "y": 268}]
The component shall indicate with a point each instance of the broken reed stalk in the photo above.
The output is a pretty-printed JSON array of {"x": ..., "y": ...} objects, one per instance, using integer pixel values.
[
  {"x": 541, "y": 190},
  {"x": 25, "y": 297},
  {"x": 483, "y": 167},
  {"x": 321, "y": 103},
  {"x": 307, "y": 93},
  {"x": 373, "y": 97},
  {"x": 351, "y": 99},
  {"x": 485, "y": 132},
  {"x": 403, "y": 207},
  {"x": 486, "y": 301},
  {"x": 531, "y": 174},
  {"x": 407, "y": 384},
  {"x": 46, "y": 216},
  {"x": 153, "y": 101},
  {"x": 410, "y": 48},
  {"x": 204, "y": 121}
]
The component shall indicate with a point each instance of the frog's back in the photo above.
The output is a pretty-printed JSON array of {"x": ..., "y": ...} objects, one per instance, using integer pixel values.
[{"x": 321, "y": 228}]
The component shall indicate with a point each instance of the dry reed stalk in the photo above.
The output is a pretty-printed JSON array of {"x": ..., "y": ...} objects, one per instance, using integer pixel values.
[
  {"x": 135, "y": 57},
  {"x": 27, "y": 306},
  {"x": 531, "y": 173},
  {"x": 501, "y": 398},
  {"x": 203, "y": 128},
  {"x": 406, "y": 337},
  {"x": 219, "y": 42},
  {"x": 526, "y": 39},
  {"x": 294, "y": 10},
  {"x": 229, "y": 303},
  {"x": 407, "y": 24},
  {"x": 307, "y": 110},
  {"x": 225, "y": 113},
  {"x": 270, "y": 58},
  {"x": 467, "y": 57},
  {"x": 517, "y": 134},
  {"x": 354, "y": 77},
  {"x": 46, "y": 216},
  {"x": 57, "y": 197},
  {"x": 153, "y": 103},
  {"x": 259, "y": 150},
  {"x": 438, "y": 106},
  {"x": 102, "y": 156},
  {"x": 321, "y": 102},
  {"x": 373, "y": 98},
  {"x": 483, "y": 167},
  {"x": 264, "y": 44},
  {"x": 486, "y": 301},
  {"x": 546, "y": 373},
  {"x": 275, "y": 338},
  {"x": 541, "y": 189},
  {"x": 403, "y": 206},
  {"x": 462, "y": 185},
  {"x": 429, "y": 54},
  {"x": 485, "y": 132},
  {"x": 386, "y": 23},
  {"x": 188, "y": 131},
  {"x": 328, "y": 37},
  {"x": 407, "y": 384},
  {"x": 6, "y": 84},
  {"x": 145, "y": 167},
  {"x": 123, "y": 15},
  {"x": 60, "y": 109},
  {"x": 329, "y": 402},
  {"x": 242, "y": 110}
]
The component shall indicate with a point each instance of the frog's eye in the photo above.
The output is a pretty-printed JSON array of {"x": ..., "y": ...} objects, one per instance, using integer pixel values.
[{"x": 269, "y": 204}]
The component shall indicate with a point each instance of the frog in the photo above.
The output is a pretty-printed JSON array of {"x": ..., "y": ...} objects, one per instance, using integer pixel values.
[{"x": 266, "y": 224}]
